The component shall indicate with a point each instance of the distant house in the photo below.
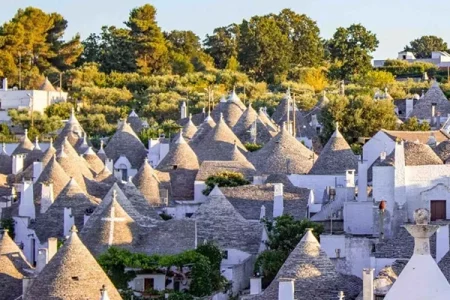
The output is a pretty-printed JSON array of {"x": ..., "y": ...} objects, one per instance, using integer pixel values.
[
  {"x": 440, "y": 59},
  {"x": 33, "y": 100}
]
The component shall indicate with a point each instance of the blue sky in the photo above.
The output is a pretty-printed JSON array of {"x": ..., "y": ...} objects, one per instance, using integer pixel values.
[{"x": 396, "y": 22}]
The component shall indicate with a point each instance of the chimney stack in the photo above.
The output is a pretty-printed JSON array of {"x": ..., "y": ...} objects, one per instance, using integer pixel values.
[
  {"x": 46, "y": 196},
  {"x": 26, "y": 206},
  {"x": 285, "y": 289},
  {"x": 278, "y": 205},
  {"x": 42, "y": 260},
  {"x": 68, "y": 220},
  {"x": 5, "y": 84},
  {"x": 37, "y": 170},
  {"x": 183, "y": 110},
  {"x": 368, "y": 284},
  {"x": 52, "y": 247},
  {"x": 262, "y": 215},
  {"x": 26, "y": 282},
  {"x": 17, "y": 164},
  {"x": 255, "y": 285}
]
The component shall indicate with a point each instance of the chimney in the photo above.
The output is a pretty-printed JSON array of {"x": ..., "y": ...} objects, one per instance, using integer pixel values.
[
  {"x": 285, "y": 289},
  {"x": 262, "y": 215},
  {"x": 42, "y": 260},
  {"x": 109, "y": 163},
  {"x": 17, "y": 166},
  {"x": 432, "y": 140},
  {"x": 26, "y": 206},
  {"x": 382, "y": 156},
  {"x": 68, "y": 220},
  {"x": 442, "y": 242},
  {"x": 5, "y": 84},
  {"x": 362, "y": 181},
  {"x": 341, "y": 295},
  {"x": 37, "y": 170},
  {"x": 368, "y": 284},
  {"x": 350, "y": 178},
  {"x": 26, "y": 282},
  {"x": 46, "y": 196},
  {"x": 52, "y": 247},
  {"x": 104, "y": 293},
  {"x": 433, "y": 110},
  {"x": 255, "y": 285},
  {"x": 183, "y": 110},
  {"x": 278, "y": 205}
]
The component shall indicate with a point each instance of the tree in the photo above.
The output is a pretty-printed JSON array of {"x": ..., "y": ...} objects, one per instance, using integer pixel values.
[
  {"x": 357, "y": 117},
  {"x": 36, "y": 41},
  {"x": 375, "y": 79},
  {"x": 304, "y": 36},
  {"x": 232, "y": 64},
  {"x": 284, "y": 234},
  {"x": 423, "y": 46},
  {"x": 151, "y": 48},
  {"x": 263, "y": 48},
  {"x": 224, "y": 179},
  {"x": 350, "y": 50},
  {"x": 412, "y": 124},
  {"x": 222, "y": 44}
]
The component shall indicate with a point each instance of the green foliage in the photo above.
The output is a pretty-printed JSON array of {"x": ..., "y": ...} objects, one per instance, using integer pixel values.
[
  {"x": 149, "y": 42},
  {"x": 252, "y": 147},
  {"x": 284, "y": 234},
  {"x": 350, "y": 50},
  {"x": 36, "y": 37},
  {"x": 214, "y": 255},
  {"x": 8, "y": 224},
  {"x": 412, "y": 124},
  {"x": 205, "y": 271},
  {"x": 375, "y": 79},
  {"x": 43, "y": 124},
  {"x": 358, "y": 117},
  {"x": 403, "y": 68},
  {"x": 224, "y": 179},
  {"x": 423, "y": 46},
  {"x": 61, "y": 110},
  {"x": 180, "y": 296}
]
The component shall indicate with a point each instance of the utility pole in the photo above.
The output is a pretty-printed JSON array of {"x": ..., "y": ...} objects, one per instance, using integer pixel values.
[
  {"x": 20, "y": 71},
  {"x": 294, "y": 131}
]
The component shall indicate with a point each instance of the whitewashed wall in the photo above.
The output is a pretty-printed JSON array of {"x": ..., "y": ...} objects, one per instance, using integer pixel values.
[
  {"x": 358, "y": 217},
  {"x": 378, "y": 143},
  {"x": 317, "y": 183}
]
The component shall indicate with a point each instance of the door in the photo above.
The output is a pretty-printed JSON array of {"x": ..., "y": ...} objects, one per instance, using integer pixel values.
[
  {"x": 149, "y": 284},
  {"x": 438, "y": 210}
]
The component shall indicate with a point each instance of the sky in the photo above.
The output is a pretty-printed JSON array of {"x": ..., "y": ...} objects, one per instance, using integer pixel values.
[{"x": 395, "y": 22}]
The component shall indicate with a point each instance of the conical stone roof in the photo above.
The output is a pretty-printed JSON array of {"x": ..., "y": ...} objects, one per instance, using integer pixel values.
[
  {"x": 126, "y": 142},
  {"x": 189, "y": 129},
  {"x": 266, "y": 120},
  {"x": 135, "y": 122},
  {"x": 110, "y": 226},
  {"x": 283, "y": 154},
  {"x": 218, "y": 144},
  {"x": 315, "y": 276},
  {"x": 93, "y": 161},
  {"x": 74, "y": 165},
  {"x": 35, "y": 155},
  {"x": 203, "y": 130},
  {"x": 232, "y": 113},
  {"x": 72, "y": 130},
  {"x": 51, "y": 223},
  {"x": 73, "y": 273},
  {"x": 180, "y": 155},
  {"x": 246, "y": 123},
  {"x": 336, "y": 157},
  {"x": 25, "y": 146},
  {"x": 48, "y": 154},
  {"x": 52, "y": 173},
  {"x": 7, "y": 245},
  {"x": 147, "y": 182},
  {"x": 434, "y": 96},
  {"x": 47, "y": 86}
]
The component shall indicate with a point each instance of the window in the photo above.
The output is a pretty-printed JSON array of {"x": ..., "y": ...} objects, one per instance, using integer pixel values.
[
  {"x": 225, "y": 254},
  {"x": 188, "y": 215}
]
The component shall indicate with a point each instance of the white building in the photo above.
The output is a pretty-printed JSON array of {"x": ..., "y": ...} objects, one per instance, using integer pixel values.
[
  {"x": 439, "y": 58},
  {"x": 32, "y": 100}
]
